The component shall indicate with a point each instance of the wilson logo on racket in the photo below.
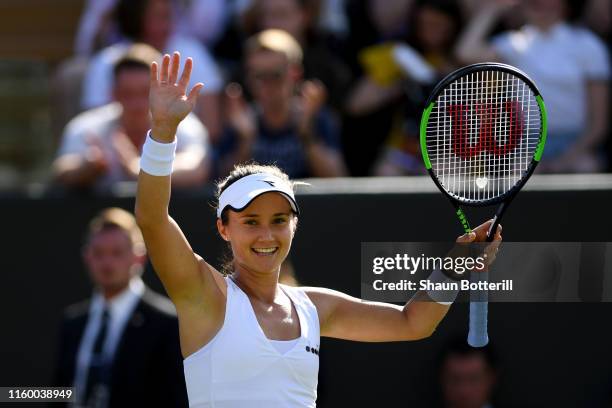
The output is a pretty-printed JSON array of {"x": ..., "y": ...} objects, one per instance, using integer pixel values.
[
  {"x": 508, "y": 114},
  {"x": 482, "y": 108}
]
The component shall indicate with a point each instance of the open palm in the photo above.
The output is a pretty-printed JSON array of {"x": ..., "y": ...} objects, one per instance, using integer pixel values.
[{"x": 168, "y": 99}]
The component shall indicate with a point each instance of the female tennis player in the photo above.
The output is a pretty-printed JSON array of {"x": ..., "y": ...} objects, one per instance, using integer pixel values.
[{"x": 249, "y": 341}]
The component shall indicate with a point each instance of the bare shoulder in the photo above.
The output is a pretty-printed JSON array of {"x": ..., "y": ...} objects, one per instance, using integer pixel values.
[
  {"x": 201, "y": 319},
  {"x": 213, "y": 279},
  {"x": 323, "y": 294},
  {"x": 325, "y": 299},
  {"x": 206, "y": 308}
]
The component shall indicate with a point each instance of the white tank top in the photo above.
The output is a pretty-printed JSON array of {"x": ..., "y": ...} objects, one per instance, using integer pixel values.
[{"x": 240, "y": 367}]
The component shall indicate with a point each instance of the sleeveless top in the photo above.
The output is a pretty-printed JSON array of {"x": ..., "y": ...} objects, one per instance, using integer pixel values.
[{"x": 240, "y": 367}]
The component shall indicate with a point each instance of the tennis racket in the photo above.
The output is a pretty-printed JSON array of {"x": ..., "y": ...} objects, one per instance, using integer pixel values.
[{"x": 482, "y": 135}]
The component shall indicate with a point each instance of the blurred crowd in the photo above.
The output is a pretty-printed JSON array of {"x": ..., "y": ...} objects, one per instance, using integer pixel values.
[{"x": 322, "y": 88}]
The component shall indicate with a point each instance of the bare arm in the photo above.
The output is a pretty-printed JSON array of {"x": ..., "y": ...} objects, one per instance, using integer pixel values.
[
  {"x": 346, "y": 317},
  {"x": 324, "y": 161},
  {"x": 241, "y": 118},
  {"x": 597, "y": 108},
  {"x": 582, "y": 155},
  {"x": 472, "y": 45},
  {"x": 368, "y": 96},
  {"x": 187, "y": 279},
  {"x": 209, "y": 112},
  {"x": 74, "y": 170},
  {"x": 81, "y": 169}
]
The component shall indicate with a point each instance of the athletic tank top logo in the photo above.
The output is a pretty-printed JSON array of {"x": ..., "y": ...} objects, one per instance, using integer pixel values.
[{"x": 312, "y": 350}]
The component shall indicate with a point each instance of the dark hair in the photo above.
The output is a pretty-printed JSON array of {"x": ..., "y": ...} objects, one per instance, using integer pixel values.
[
  {"x": 575, "y": 10},
  {"x": 242, "y": 170},
  {"x": 449, "y": 8},
  {"x": 129, "y": 15}
]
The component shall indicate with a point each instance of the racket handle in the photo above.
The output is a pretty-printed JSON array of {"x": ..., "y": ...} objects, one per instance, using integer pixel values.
[
  {"x": 479, "y": 308},
  {"x": 493, "y": 228}
]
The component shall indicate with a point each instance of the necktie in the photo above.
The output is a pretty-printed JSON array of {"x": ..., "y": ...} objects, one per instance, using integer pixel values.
[{"x": 96, "y": 391}]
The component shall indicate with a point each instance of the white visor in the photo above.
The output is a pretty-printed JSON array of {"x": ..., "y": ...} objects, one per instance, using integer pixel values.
[{"x": 240, "y": 193}]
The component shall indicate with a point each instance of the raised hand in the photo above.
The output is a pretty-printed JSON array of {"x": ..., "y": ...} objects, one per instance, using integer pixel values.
[
  {"x": 239, "y": 115},
  {"x": 168, "y": 99},
  {"x": 313, "y": 96},
  {"x": 127, "y": 153},
  {"x": 311, "y": 99},
  {"x": 96, "y": 158}
]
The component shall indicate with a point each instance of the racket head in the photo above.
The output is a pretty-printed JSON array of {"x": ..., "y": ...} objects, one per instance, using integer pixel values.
[{"x": 483, "y": 133}]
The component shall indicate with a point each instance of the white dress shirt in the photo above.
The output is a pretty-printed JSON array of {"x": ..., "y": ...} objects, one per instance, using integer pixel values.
[
  {"x": 120, "y": 309},
  {"x": 560, "y": 61}
]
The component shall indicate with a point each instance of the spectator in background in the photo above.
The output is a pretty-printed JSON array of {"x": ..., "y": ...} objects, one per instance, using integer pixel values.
[
  {"x": 299, "y": 18},
  {"x": 121, "y": 347},
  {"x": 97, "y": 28},
  {"x": 333, "y": 17},
  {"x": 152, "y": 22},
  {"x": 467, "y": 376},
  {"x": 569, "y": 64},
  {"x": 374, "y": 101},
  {"x": 205, "y": 20},
  {"x": 102, "y": 146},
  {"x": 597, "y": 17},
  {"x": 294, "y": 132},
  {"x": 434, "y": 27}
]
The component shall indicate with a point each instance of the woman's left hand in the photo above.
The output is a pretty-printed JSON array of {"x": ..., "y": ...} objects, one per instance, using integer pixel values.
[{"x": 479, "y": 234}]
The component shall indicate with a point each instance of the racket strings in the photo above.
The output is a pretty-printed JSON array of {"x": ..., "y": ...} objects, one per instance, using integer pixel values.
[{"x": 482, "y": 134}]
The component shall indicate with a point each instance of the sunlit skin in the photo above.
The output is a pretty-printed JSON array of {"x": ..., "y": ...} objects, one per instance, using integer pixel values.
[
  {"x": 111, "y": 260},
  {"x": 267, "y": 222},
  {"x": 200, "y": 292}
]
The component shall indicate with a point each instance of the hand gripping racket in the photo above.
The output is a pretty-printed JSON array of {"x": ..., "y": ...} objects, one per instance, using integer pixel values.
[{"x": 482, "y": 134}]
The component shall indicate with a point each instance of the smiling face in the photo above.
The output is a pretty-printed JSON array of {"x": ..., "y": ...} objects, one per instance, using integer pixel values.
[{"x": 261, "y": 234}]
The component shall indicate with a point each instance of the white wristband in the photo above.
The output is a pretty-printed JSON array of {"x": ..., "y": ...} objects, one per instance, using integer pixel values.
[
  {"x": 157, "y": 158},
  {"x": 443, "y": 297}
]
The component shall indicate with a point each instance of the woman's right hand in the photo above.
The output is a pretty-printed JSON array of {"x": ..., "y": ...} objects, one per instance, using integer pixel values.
[{"x": 168, "y": 100}]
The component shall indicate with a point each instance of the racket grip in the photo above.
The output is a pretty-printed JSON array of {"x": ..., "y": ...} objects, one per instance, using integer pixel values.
[
  {"x": 477, "y": 336},
  {"x": 479, "y": 309}
]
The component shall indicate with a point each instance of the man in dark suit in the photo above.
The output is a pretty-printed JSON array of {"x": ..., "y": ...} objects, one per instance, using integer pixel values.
[{"x": 121, "y": 347}]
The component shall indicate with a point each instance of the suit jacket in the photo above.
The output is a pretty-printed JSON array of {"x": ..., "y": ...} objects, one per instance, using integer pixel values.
[{"x": 148, "y": 367}]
